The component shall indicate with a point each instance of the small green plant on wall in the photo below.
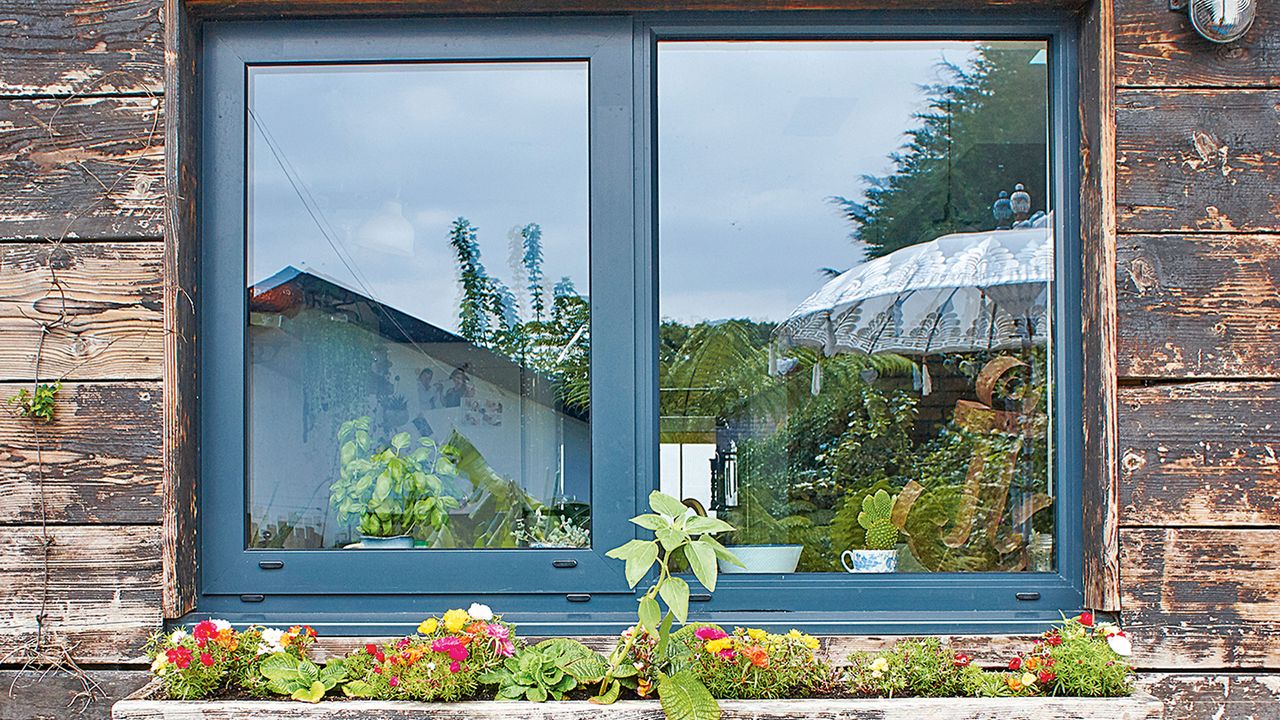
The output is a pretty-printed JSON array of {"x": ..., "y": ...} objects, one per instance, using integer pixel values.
[
  {"x": 37, "y": 404},
  {"x": 392, "y": 490}
]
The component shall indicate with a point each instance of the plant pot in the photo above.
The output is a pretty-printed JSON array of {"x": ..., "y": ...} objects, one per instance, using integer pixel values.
[
  {"x": 399, "y": 542},
  {"x": 870, "y": 561},
  {"x": 763, "y": 559}
]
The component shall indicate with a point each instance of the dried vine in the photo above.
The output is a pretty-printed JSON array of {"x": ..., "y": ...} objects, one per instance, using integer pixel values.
[{"x": 45, "y": 653}]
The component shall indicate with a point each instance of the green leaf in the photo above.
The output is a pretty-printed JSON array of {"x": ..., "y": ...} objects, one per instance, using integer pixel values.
[
  {"x": 675, "y": 592},
  {"x": 624, "y": 551},
  {"x": 664, "y": 634},
  {"x": 666, "y": 505},
  {"x": 279, "y": 666},
  {"x": 312, "y": 694},
  {"x": 649, "y": 521},
  {"x": 401, "y": 441},
  {"x": 698, "y": 525},
  {"x": 358, "y": 689},
  {"x": 702, "y": 559},
  {"x": 610, "y": 694},
  {"x": 684, "y": 697},
  {"x": 650, "y": 614},
  {"x": 671, "y": 538},
  {"x": 638, "y": 565},
  {"x": 721, "y": 551},
  {"x": 577, "y": 660},
  {"x": 535, "y": 694}
]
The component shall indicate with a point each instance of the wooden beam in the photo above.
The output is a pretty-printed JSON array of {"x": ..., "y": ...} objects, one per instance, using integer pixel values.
[
  {"x": 1224, "y": 696},
  {"x": 1098, "y": 243},
  {"x": 1155, "y": 47},
  {"x": 181, "y": 272},
  {"x": 40, "y": 694}
]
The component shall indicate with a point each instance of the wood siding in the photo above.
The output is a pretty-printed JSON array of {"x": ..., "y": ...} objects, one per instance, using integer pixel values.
[{"x": 83, "y": 249}]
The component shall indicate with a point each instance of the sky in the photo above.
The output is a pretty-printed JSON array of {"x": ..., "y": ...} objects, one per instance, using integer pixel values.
[{"x": 754, "y": 138}]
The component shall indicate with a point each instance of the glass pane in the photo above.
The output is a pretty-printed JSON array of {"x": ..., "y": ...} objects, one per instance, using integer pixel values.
[
  {"x": 856, "y": 270},
  {"x": 418, "y": 321}
]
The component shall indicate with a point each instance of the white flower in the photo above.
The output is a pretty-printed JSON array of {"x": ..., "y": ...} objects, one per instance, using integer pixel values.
[
  {"x": 220, "y": 625},
  {"x": 480, "y": 612},
  {"x": 1108, "y": 629},
  {"x": 1120, "y": 644},
  {"x": 177, "y": 636},
  {"x": 157, "y": 665},
  {"x": 271, "y": 640}
]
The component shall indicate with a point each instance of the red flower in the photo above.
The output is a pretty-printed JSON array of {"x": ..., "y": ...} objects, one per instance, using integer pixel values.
[
  {"x": 179, "y": 656},
  {"x": 378, "y": 669},
  {"x": 1045, "y": 677},
  {"x": 371, "y": 649},
  {"x": 203, "y": 632},
  {"x": 206, "y": 659},
  {"x": 1086, "y": 618},
  {"x": 1015, "y": 664},
  {"x": 961, "y": 660},
  {"x": 1053, "y": 638}
]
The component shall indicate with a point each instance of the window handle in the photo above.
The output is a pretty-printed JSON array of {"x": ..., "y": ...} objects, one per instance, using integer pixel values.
[
  {"x": 1028, "y": 596},
  {"x": 271, "y": 564},
  {"x": 563, "y": 564},
  {"x": 578, "y": 597}
]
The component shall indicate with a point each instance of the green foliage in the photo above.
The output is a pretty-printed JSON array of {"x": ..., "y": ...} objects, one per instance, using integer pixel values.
[
  {"x": 876, "y": 519},
  {"x": 1083, "y": 663},
  {"x": 299, "y": 678},
  {"x": 546, "y": 670},
  {"x": 684, "y": 697},
  {"x": 914, "y": 667},
  {"x": 38, "y": 403},
  {"x": 390, "y": 489}
]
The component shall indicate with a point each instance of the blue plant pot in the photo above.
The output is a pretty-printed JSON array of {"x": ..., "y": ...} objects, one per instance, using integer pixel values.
[{"x": 399, "y": 542}]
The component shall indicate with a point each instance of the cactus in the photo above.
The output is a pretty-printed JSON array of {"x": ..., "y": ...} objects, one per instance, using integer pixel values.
[{"x": 877, "y": 519}]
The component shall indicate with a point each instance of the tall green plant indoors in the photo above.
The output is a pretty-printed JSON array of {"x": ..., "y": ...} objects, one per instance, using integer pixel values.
[{"x": 677, "y": 531}]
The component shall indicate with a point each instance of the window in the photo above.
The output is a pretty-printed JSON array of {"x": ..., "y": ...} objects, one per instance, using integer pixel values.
[{"x": 472, "y": 288}]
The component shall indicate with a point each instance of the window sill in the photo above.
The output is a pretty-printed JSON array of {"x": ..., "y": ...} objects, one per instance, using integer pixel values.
[{"x": 1136, "y": 707}]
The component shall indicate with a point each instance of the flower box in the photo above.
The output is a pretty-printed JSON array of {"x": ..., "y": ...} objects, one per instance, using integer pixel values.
[{"x": 1138, "y": 706}]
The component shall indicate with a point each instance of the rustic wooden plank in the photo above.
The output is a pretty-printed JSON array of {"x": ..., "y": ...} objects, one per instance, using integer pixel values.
[
  {"x": 41, "y": 695},
  {"x": 1199, "y": 306},
  {"x": 181, "y": 273},
  {"x": 1098, "y": 240},
  {"x": 1200, "y": 454},
  {"x": 1223, "y": 697},
  {"x": 65, "y": 47},
  {"x": 101, "y": 457},
  {"x": 1129, "y": 708},
  {"x": 291, "y": 8},
  {"x": 1202, "y": 598},
  {"x": 104, "y": 590},
  {"x": 1198, "y": 160},
  {"x": 81, "y": 167},
  {"x": 108, "y": 297},
  {"x": 1155, "y": 47}
]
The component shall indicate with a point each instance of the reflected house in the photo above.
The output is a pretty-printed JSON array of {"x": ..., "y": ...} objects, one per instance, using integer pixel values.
[{"x": 337, "y": 354}]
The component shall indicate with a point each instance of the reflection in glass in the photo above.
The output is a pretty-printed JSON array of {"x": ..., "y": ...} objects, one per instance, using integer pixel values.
[
  {"x": 418, "y": 350},
  {"x": 856, "y": 270}
]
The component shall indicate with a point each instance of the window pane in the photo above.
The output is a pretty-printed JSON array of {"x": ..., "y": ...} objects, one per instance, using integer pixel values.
[
  {"x": 856, "y": 270},
  {"x": 418, "y": 319}
]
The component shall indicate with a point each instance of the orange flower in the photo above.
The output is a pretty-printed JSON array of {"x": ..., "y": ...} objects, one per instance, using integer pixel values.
[
  {"x": 757, "y": 655},
  {"x": 1014, "y": 683},
  {"x": 1032, "y": 663},
  {"x": 476, "y": 628}
]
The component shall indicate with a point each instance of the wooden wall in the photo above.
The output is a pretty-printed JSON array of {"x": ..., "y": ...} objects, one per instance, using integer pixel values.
[{"x": 1198, "y": 206}]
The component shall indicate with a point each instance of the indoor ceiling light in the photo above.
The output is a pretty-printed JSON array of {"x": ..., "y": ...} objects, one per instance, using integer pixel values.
[{"x": 1220, "y": 21}]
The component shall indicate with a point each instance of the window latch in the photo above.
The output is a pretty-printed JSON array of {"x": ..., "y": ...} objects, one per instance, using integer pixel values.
[
  {"x": 271, "y": 564},
  {"x": 564, "y": 564},
  {"x": 1028, "y": 596},
  {"x": 252, "y": 598},
  {"x": 578, "y": 597}
]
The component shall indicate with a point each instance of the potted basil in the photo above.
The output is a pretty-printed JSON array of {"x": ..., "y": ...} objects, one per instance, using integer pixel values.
[{"x": 395, "y": 491}]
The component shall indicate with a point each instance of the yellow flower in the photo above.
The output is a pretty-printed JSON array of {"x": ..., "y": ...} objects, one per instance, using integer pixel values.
[
  {"x": 718, "y": 645},
  {"x": 879, "y": 664},
  {"x": 158, "y": 664},
  {"x": 1027, "y": 679},
  {"x": 808, "y": 641},
  {"x": 455, "y": 620},
  {"x": 756, "y": 633},
  {"x": 428, "y": 626}
]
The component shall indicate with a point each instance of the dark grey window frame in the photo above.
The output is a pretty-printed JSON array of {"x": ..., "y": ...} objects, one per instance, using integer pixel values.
[{"x": 591, "y": 598}]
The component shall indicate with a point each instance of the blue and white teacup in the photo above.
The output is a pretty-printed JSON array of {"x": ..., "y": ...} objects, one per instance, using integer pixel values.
[{"x": 869, "y": 561}]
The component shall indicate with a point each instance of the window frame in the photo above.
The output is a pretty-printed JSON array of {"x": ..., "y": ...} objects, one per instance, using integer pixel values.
[{"x": 950, "y": 603}]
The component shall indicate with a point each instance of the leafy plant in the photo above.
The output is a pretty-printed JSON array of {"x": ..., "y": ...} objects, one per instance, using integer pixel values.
[
  {"x": 299, "y": 678},
  {"x": 548, "y": 529},
  {"x": 546, "y": 670},
  {"x": 38, "y": 403},
  {"x": 914, "y": 667},
  {"x": 752, "y": 663},
  {"x": 390, "y": 489},
  {"x": 677, "y": 532},
  {"x": 876, "y": 519}
]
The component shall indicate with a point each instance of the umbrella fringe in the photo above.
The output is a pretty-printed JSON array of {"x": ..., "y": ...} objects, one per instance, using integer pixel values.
[
  {"x": 926, "y": 382},
  {"x": 815, "y": 384}
]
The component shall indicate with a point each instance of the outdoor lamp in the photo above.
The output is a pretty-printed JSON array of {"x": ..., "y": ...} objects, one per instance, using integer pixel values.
[
  {"x": 1220, "y": 21},
  {"x": 1002, "y": 210},
  {"x": 1020, "y": 201}
]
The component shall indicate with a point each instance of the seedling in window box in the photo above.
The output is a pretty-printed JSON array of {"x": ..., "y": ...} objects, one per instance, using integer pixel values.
[
  {"x": 677, "y": 530},
  {"x": 37, "y": 404}
]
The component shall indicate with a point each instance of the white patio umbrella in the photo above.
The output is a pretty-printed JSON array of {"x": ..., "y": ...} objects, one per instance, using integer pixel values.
[{"x": 959, "y": 293}]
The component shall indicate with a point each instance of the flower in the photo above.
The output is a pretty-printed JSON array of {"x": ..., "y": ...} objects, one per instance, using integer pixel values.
[
  {"x": 1032, "y": 663},
  {"x": 709, "y": 632},
  {"x": 476, "y": 628},
  {"x": 1107, "y": 629},
  {"x": 158, "y": 664},
  {"x": 961, "y": 660},
  {"x": 480, "y": 612},
  {"x": 393, "y": 681},
  {"x": 757, "y": 634},
  {"x": 1027, "y": 679},
  {"x": 878, "y": 666},
  {"x": 454, "y": 620},
  {"x": 451, "y": 646},
  {"x": 455, "y": 666},
  {"x": 272, "y": 640},
  {"x": 376, "y": 652},
  {"x": 179, "y": 656},
  {"x": 757, "y": 655},
  {"x": 1015, "y": 664},
  {"x": 1014, "y": 683},
  {"x": 718, "y": 645},
  {"x": 1120, "y": 644},
  {"x": 502, "y": 635},
  {"x": 643, "y": 687},
  {"x": 203, "y": 632},
  {"x": 1046, "y": 676},
  {"x": 428, "y": 626},
  {"x": 1086, "y": 618},
  {"x": 206, "y": 659},
  {"x": 1053, "y": 638},
  {"x": 177, "y": 636}
]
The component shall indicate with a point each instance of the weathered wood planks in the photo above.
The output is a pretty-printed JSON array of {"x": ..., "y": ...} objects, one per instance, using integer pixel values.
[
  {"x": 1198, "y": 160},
  {"x": 80, "y": 47},
  {"x": 1156, "y": 47},
  {"x": 1199, "y": 306},
  {"x": 1223, "y": 697},
  {"x": 1200, "y": 454},
  {"x": 81, "y": 168},
  {"x": 37, "y": 695},
  {"x": 101, "y": 457},
  {"x": 104, "y": 589},
  {"x": 108, "y": 296}
]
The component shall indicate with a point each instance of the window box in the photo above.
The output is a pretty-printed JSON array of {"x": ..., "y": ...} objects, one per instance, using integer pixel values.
[{"x": 1140, "y": 705}]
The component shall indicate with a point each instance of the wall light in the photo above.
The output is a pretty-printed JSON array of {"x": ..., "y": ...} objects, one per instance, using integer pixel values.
[{"x": 1220, "y": 21}]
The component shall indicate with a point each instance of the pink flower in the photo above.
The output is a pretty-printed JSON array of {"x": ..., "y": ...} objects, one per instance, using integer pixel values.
[
  {"x": 502, "y": 635},
  {"x": 728, "y": 654},
  {"x": 206, "y": 659},
  {"x": 961, "y": 660},
  {"x": 452, "y": 646},
  {"x": 203, "y": 632},
  {"x": 455, "y": 666},
  {"x": 402, "y": 643},
  {"x": 179, "y": 656},
  {"x": 394, "y": 681},
  {"x": 710, "y": 633}
]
